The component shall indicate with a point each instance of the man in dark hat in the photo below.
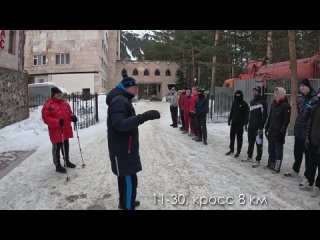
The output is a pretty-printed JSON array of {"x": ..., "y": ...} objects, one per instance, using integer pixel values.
[
  {"x": 123, "y": 139},
  {"x": 257, "y": 118},
  {"x": 57, "y": 114},
  {"x": 201, "y": 110},
  {"x": 305, "y": 103}
]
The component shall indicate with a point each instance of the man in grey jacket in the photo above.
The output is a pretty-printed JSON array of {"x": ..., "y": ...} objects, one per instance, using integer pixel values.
[{"x": 173, "y": 100}]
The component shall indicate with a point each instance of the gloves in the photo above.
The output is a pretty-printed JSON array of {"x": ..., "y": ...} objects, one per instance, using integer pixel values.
[
  {"x": 229, "y": 123},
  {"x": 148, "y": 115},
  {"x": 61, "y": 122},
  {"x": 74, "y": 119},
  {"x": 306, "y": 143},
  {"x": 246, "y": 128}
]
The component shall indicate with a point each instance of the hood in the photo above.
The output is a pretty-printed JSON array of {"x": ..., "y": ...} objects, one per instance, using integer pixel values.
[
  {"x": 118, "y": 90},
  {"x": 240, "y": 98}
]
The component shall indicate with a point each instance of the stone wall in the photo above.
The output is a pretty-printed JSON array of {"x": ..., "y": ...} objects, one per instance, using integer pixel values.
[{"x": 13, "y": 96}]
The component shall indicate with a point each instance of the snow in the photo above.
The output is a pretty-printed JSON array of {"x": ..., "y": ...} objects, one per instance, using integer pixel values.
[
  {"x": 172, "y": 164},
  {"x": 141, "y": 33},
  {"x": 130, "y": 54}
]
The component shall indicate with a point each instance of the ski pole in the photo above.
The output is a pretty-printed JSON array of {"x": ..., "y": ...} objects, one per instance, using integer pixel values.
[
  {"x": 63, "y": 154},
  {"x": 83, "y": 165}
]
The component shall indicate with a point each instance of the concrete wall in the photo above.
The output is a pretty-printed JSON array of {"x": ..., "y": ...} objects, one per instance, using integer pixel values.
[
  {"x": 13, "y": 96},
  {"x": 88, "y": 55},
  {"x": 74, "y": 82}
]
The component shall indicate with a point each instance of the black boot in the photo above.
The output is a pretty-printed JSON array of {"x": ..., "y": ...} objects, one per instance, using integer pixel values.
[
  {"x": 70, "y": 164},
  {"x": 121, "y": 206},
  {"x": 60, "y": 169},
  {"x": 228, "y": 153},
  {"x": 237, "y": 154}
]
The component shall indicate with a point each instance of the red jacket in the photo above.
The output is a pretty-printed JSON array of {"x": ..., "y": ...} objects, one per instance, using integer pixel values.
[
  {"x": 52, "y": 111},
  {"x": 193, "y": 100}
]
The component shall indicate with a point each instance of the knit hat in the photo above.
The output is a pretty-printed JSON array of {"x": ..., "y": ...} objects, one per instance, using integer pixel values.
[
  {"x": 128, "y": 82},
  {"x": 281, "y": 91},
  {"x": 55, "y": 90},
  {"x": 258, "y": 88},
  {"x": 305, "y": 82}
]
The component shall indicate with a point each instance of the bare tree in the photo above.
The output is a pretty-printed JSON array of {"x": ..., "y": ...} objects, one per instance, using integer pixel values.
[
  {"x": 269, "y": 47},
  {"x": 294, "y": 80},
  {"x": 213, "y": 75}
]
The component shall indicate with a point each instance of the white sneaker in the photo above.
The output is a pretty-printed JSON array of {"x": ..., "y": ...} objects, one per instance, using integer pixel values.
[
  {"x": 291, "y": 174},
  {"x": 304, "y": 182},
  {"x": 315, "y": 193},
  {"x": 256, "y": 164}
]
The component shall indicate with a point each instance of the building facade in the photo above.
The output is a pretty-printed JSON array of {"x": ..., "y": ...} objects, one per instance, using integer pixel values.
[
  {"x": 13, "y": 80},
  {"x": 73, "y": 59},
  {"x": 153, "y": 76}
]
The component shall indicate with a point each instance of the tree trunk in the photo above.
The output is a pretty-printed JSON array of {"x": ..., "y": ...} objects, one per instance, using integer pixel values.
[
  {"x": 193, "y": 67},
  {"x": 294, "y": 80},
  {"x": 213, "y": 74},
  {"x": 269, "y": 47}
]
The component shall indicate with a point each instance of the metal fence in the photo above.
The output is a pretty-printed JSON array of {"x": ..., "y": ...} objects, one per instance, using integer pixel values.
[
  {"x": 85, "y": 107},
  {"x": 222, "y": 104}
]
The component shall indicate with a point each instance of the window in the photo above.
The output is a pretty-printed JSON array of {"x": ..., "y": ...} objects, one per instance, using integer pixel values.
[
  {"x": 146, "y": 72},
  {"x": 157, "y": 72},
  {"x": 41, "y": 80},
  {"x": 39, "y": 60},
  {"x": 135, "y": 72},
  {"x": 168, "y": 73},
  {"x": 124, "y": 72},
  {"x": 63, "y": 58},
  {"x": 12, "y": 42}
]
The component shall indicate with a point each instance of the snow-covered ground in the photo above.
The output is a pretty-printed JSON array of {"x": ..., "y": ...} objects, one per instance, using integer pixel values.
[{"x": 187, "y": 174}]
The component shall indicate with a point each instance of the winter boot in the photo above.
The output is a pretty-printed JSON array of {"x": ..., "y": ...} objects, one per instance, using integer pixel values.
[
  {"x": 237, "y": 155},
  {"x": 121, "y": 206},
  {"x": 198, "y": 139},
  {"x": 228, "y": 153},
  {"x": 60, "y": 169},
  {"x": 315, "y": 193},
  {"x": 70, "y": 164},
  {"x": 205, "y": 142}
]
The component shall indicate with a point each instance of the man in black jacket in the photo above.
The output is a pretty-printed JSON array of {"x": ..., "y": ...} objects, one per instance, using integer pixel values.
[
  {"x": 276, "y": 128},
  {"x": 201, "y": 110},
  {"x": 237, "y": 119},
  {"x": 313, "y": 145},
  {"x": 257, "y": 119},
  {"x": 123, "y": 139},
  {"x": 305, "y": 103}
]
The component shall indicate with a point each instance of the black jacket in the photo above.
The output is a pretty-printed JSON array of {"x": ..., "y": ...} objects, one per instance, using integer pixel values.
[
  {"x": 123, "y": 134},
  {"x": 239, "y": 113},
  {"x": 278, "y": 120},
  {"x": 313, "y": 129},
  {"x": 258, "y": 112},
  {"x": 201, "y": 106},
  {"x": 305, "y": 104}
]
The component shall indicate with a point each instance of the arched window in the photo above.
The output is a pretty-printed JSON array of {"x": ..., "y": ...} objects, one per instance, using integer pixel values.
[
  {"x": 168, "y": 73},
  {"x": 157, "y": 72},
  {"x": 124, "y": 72},
  {"x": 146, "y": 72},
  {"x": 135, "y": 72}
]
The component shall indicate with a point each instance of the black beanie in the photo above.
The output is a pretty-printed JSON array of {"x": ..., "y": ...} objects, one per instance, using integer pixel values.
[
  {"x": 128, "y": 81},
  {"x": 55, "y": 90},
  {"x": 306, "y": 82}
]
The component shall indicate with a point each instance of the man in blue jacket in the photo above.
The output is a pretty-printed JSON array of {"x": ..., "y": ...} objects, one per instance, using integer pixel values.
[{"x": 123, "y": 139}]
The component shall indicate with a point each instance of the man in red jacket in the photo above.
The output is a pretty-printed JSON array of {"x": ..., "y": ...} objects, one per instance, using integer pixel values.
[{"x": 57, "y": 114}]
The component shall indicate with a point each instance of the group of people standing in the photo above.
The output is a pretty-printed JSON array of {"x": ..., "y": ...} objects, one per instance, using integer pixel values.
[
  {"x": 254, "y": 118},
  {"x": 193, "y": 108}
]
